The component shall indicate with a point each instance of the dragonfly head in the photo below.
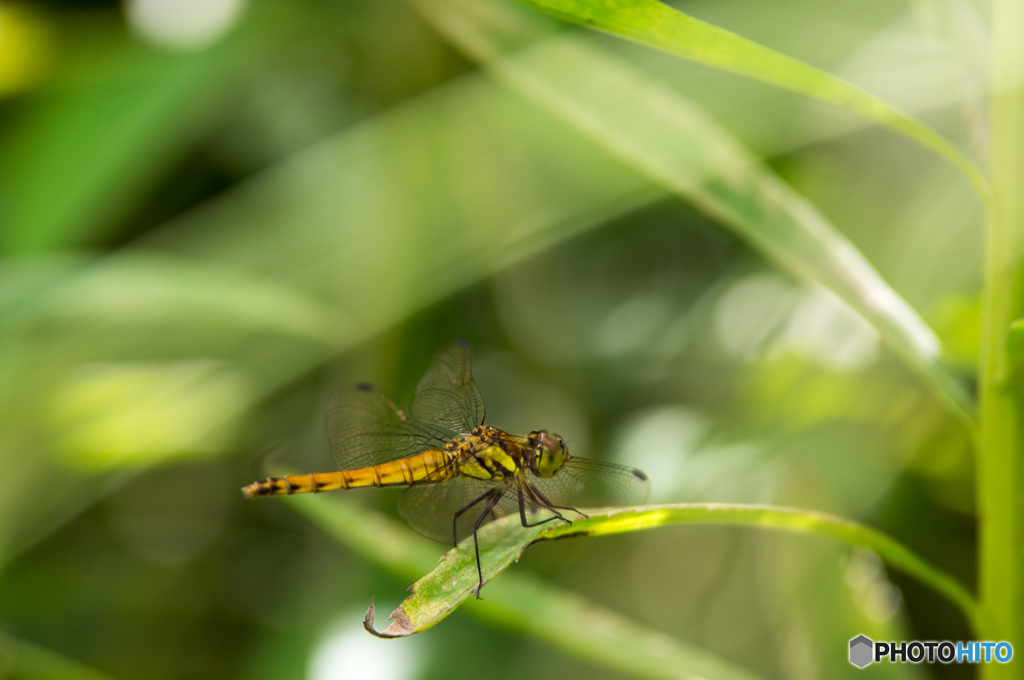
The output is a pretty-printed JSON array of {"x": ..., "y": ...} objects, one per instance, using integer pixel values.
[{"x": 549, "y": 453}]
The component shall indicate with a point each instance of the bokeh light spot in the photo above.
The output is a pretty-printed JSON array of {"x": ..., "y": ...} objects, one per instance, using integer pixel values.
[
  {"x": 348, "y": 651},
  {"x": 183, "y": 24}
]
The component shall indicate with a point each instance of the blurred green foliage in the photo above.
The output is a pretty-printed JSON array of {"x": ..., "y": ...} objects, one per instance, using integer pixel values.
[{"x": 202, "y": 238}]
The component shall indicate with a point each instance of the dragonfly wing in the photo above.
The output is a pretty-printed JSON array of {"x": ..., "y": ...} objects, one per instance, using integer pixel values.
[
  {"x": 447, "y": 395},
  {"x": 366, "y": 428},
  {"x": 430, "y": 508},
  {"x": 585, "y": 483}
]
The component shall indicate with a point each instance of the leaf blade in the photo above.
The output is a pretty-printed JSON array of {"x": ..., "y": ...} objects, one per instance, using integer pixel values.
[
  {"x": 504, "y": 540},
  {"x": 657, "y": 25},
  {"x": 523, "y": 604},
  {"x": 791, "y": 519},
  {"x": 660, "y": 133}
]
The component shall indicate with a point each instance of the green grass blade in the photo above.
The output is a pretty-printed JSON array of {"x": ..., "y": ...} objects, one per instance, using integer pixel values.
[
  {"x": 518, "y": 602},
  {"x": 657, "y": 25},
  {"x": 454, "y": 581},
  {"x": 890, "y": 551},
  {"x": 648, "y": 125},
  {"x": 1001, "y": 451}
]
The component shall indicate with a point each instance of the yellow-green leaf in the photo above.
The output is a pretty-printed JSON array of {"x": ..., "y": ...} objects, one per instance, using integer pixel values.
[
  {"x": 657, "y": 25},
  {"x": 518, "y": 602},
  {"x": 438, "y": 593},
  {"x": 521, "y": 603}
]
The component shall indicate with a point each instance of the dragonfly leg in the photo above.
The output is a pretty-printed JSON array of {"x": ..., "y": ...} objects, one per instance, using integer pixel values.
[
  {"x": 458, "y": 513},
  {"x": 552, "y": 506},
  {"x": 522, "y": 514},
  {"x": 496, "y": 495}
]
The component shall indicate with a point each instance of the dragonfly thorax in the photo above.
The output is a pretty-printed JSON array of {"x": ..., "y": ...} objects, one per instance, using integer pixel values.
[{"x": 488, "y": 453}]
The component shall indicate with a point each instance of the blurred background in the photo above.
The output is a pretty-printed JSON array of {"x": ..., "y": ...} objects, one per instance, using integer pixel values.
[{"x": 214, "y": 213}]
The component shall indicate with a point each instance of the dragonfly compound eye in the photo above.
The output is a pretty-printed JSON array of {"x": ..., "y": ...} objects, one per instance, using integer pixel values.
[
  {"x": 550, "y": 454},
  {"x": 550, "y": 442}
]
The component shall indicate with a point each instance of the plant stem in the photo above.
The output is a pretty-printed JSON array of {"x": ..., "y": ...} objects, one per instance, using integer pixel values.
[{"x": 1000, "y": 452}]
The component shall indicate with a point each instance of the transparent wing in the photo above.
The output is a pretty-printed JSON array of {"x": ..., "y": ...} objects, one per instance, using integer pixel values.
[
  {"x": 585, "y": 483},
  {"x": 430, "y": 508},
  {"x": 447, "y": 395},
  {"x": 366, "y": 428}
]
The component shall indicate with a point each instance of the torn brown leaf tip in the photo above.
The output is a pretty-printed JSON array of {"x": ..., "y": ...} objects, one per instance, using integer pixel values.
[{"x": 401, "y": 625}]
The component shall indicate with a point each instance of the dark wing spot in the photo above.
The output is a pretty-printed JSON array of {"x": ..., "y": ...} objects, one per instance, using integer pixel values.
[
  {"x": 462, "y": 342},
  {"x": 639, "y": 475},
  {"x": 365, "y": 387}
]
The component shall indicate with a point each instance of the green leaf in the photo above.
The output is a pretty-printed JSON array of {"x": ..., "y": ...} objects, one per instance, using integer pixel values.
[
  {"x": 657, "y": 25},
  {"x": 437, "y": 594},
  {"x": 441, "y": 591},
  {"x": 650, "y": 126},
  {"x": 803, "y": 521},
  {"x": 518, "y": 602}
]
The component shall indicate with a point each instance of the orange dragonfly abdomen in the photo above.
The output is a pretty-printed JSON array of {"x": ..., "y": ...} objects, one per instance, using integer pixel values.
[{"x": 435, "y": 463}]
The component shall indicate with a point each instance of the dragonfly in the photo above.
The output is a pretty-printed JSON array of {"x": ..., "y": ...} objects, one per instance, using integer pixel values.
[{"x": 460, "y": 472}]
